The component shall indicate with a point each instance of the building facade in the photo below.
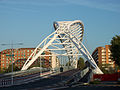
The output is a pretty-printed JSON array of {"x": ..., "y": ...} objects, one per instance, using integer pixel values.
[
  {"x": 19, "y": 56},
  {"x": 102, "y": 56}
]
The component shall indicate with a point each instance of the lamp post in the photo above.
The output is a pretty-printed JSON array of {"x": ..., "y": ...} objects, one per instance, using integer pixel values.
[
  {"x": 12, "y": 55},
  {"x": 40, "y": 67}
]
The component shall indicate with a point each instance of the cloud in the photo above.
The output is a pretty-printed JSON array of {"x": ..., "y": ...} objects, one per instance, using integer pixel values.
[{"x": 110, "y": 5}]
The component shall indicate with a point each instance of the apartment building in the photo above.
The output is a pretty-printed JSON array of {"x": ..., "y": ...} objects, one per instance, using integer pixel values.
[
  {"x": 18, "y": 56},
  {"x": 102, "y": 56}
]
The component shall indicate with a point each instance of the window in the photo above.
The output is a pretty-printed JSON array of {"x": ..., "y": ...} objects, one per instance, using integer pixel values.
[
  {"x": 103, "y": 56},
  {"x": 109, "y": 56},
  {"x": 7, "y": 58},
  {"x": 103, "y": 50},
  {"x": 7, "y": 64},
  {"x": 109, "y": 50},
  {"x": 103, "y": 60},
  {"x": 109, "y": 59},
  {"x": 111, "y": 62},
  {"x": 109, "y": 53},
  {"x": 103, "y": 53}
]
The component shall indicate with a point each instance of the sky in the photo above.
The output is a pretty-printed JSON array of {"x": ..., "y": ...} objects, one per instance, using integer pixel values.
[{"x": 30, "y": 21}]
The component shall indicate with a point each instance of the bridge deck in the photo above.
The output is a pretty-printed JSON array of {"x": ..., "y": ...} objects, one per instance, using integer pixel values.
[{"x": 55, "y": 79}]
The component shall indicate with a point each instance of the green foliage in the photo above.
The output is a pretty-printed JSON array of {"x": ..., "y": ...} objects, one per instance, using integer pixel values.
[
  {"x": 81, "y": 63},
  {"x": 9, "y": 69},
  {"x": 115, "y": 49},
  {"x": 117, "y": 68},
  {"x": 15, "y": 68},
  {"x": 107, "y": 69},
  {"x": 35, "y": 65},
  {"x": 3, "y": 70},
  {"x": 38, "y": 64}
]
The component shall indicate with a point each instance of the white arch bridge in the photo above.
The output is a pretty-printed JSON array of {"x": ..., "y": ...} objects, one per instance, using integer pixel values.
[{"x": 64, "y": 44}]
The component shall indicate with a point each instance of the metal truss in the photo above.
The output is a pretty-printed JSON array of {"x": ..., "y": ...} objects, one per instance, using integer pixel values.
[{"x": 66, "y": 40}]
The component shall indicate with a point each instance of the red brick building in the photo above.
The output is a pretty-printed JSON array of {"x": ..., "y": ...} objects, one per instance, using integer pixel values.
[{"x": 19, "y": 57}]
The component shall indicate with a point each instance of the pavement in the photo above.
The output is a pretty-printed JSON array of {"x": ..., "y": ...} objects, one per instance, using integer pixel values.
[{"x": 81, "y": 86}]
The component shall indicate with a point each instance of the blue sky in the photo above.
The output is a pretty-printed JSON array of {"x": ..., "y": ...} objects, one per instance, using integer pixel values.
[{"x": 30, "y": 21}]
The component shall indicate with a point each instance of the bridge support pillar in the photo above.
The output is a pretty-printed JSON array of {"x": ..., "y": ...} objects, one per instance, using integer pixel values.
[{"x": 53, "y": 62}]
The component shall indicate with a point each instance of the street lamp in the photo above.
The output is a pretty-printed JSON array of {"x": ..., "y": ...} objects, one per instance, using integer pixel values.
[
  {"x": 40, "y": 66},
  {"x": 12, "y": 54}
]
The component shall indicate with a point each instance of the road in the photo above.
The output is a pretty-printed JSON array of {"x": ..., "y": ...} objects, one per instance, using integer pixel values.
[
  {"x": 91, "y": 88},
  {"x": 54, "y": 83},
  {"x": 43, "y": 82}
]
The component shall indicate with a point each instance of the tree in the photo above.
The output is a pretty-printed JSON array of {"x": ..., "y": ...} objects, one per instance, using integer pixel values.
[
  {"x": 81, "y": 63},
  {"x": 15, "y": 68},
  {"x": 3, "y": 70},
  {"x": 107, "y": 69},
  {"x": 115, "y": 49}
]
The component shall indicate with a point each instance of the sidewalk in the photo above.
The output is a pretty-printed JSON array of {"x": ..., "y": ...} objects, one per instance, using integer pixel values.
[{"x": 107, "y": 83}]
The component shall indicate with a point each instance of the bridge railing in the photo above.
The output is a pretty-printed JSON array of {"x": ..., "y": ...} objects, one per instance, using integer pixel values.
[{"x": 22, "y": 77}]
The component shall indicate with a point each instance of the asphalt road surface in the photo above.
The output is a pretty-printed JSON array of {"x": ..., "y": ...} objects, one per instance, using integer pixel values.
[
  {"x": 92, "y": 88},
  {"x": 43, "y": 82}
]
